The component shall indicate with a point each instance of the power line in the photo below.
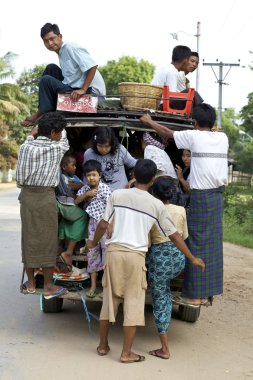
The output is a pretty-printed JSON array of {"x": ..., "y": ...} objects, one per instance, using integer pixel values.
[{"x": 220, "y": 81}]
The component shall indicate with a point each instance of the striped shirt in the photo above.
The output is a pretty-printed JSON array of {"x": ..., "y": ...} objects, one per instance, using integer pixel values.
[
  {"x": 134, "y": 212},
  {"x": 39, "y": 161}
]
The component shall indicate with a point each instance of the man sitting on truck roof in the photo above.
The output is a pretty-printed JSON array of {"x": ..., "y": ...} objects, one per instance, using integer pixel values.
[
  {"x": 77, "y": 73},
  {"x": 169, "y": 75}
]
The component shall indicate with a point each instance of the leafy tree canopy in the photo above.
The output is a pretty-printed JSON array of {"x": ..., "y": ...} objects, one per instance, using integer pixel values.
[
  {"x": 230, "y": 126},
  {"x": 13, "y": 104},
  {"x": 29, "y": 83},
  {"x": 126, "y": 69},
  {"x": 247, "y": 115},
  {"x": 243, "y": 155}
]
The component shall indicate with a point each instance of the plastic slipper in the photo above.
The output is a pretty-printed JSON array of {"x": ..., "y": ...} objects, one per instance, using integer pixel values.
[
  {"x": 139, "y": 359},
  {"x": 28, "y": 289},
  {"x": 28, "y": 122},
  {"x": 91, "y": 294},
  {"x": 156, "y": 354},
  {"x": 62, "y": 263},
  {"x": 58, "y": 293},
  {"x": 178, "y": 300},
  {"x": 103, "y": 353},
  {"x": 205, "y": 303},
  {"x": 31, "y": 290}
]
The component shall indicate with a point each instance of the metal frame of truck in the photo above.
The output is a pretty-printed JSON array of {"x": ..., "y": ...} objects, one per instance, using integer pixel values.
[{"x": 123, "y": 120}]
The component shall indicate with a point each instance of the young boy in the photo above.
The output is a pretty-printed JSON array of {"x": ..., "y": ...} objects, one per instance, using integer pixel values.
[
  {"x": 94, "y": 195},
  {"x": 134, "y": 212},
  {"x": 74, "y": 221},
  {"x": 68, "y": 168},
  {"x": 209, "y": 169},
  {"x": 38, "y": 173}
]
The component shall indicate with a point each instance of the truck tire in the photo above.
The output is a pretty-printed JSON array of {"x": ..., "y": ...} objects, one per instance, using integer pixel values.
[
  {"x": 188, "y": 314},
  {"x": 52, "y": 306}
]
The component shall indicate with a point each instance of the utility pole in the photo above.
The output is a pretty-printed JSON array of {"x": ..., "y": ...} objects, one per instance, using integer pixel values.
[
  {"x": 197, "y": 72},
  {"x": 220, "y": 81}
]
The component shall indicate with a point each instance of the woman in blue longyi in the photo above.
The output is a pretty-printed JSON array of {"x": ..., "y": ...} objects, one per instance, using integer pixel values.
[{"x": 165, "y": 263}]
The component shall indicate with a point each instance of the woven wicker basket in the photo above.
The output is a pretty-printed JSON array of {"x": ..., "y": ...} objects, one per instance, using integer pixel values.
[{"x": 140, "y": 95}]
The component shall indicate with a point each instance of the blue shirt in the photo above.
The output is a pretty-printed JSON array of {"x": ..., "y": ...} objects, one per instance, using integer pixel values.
[{"x": 75, "y": 61}]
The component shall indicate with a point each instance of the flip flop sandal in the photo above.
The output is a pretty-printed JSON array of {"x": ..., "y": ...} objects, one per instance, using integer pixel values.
[
  {"x": 91, "y": 294},
  {"x": 103, "y": 353},
  {"x": 139, "y": 359},
  {"x": 29, "y": 122},
  {"x": 58, "y": 293},
  {"x": 31, "y": 290},
  {"x": 205, "y": 303},
  {"x": 61, "y": 264},
  {"x": 28, "y": 289},
  {"x": 156, "y": 354},
  {"x": 178, "y": 300}
]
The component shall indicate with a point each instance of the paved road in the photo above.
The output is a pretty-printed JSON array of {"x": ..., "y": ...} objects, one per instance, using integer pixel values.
[{"x": 37, "y": 346}]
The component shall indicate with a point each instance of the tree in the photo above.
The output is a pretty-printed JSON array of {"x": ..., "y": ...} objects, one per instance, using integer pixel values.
[
  {"x": 243, "y": 155},
  {"x": 126, "y": 69},
  {"x": 230, "y": 126},
  {"x": 13, "y": 103},
  {"x": 29, "y": 83},
  {"x": 247, "y": 115}
]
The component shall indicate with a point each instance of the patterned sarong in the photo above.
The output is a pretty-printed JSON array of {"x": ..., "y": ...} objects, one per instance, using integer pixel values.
[{"x": 205, "y": 241}]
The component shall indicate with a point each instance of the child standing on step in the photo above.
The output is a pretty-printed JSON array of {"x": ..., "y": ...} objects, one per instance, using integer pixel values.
[{"x": 94, "y": 195}]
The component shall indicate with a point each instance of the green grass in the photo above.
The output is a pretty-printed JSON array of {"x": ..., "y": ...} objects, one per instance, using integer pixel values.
[
  {"x": 238, "y": 216},
  {"x": 237, "y": 235}
]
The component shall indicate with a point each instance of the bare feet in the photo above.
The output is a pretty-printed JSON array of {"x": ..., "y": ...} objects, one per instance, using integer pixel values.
[
  {"x": 30, "y": 120},
  {"x": 131, "y": 358},
  {"x": 159, "y": 353}
]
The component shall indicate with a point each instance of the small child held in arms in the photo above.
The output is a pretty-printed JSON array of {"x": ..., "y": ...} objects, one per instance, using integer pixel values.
[
  {"x": 74, "y": 221},
  {"x": 94, "y": 195}
]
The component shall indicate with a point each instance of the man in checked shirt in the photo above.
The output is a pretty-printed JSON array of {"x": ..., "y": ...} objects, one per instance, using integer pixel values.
[{"x": 38, "y": 173}]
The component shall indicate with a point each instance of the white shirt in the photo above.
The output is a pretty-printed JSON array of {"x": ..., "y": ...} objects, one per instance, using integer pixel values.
[
  {"x": 209, "y": 162},
  {"x": 134, "y": 212},
  {"x": 161, "y": 159},
  {"x": 182, "y": 83},
  {"x": 166, "y": 76}
]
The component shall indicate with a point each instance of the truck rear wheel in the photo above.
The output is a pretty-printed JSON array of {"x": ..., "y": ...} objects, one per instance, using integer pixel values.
[
  {"x": 52, "y": 306},
  {"x": 188, "y": 314}
]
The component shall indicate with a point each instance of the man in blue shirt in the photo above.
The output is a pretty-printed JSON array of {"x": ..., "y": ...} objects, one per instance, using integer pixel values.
[{"x": 77, "y": 73}]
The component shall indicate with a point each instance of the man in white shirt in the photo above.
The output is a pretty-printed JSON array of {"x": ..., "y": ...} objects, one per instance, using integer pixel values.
[
  {"x": 182, "y": 82},
  {"x": 77, "y": 73},
  {"x": 208, "y": 176},
  {"x": 132, "y": 212},
  {"x": 169, "y": 75}
]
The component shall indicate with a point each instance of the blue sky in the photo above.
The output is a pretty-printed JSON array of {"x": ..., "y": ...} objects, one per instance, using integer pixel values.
[{"x": 112, "y": 28}]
